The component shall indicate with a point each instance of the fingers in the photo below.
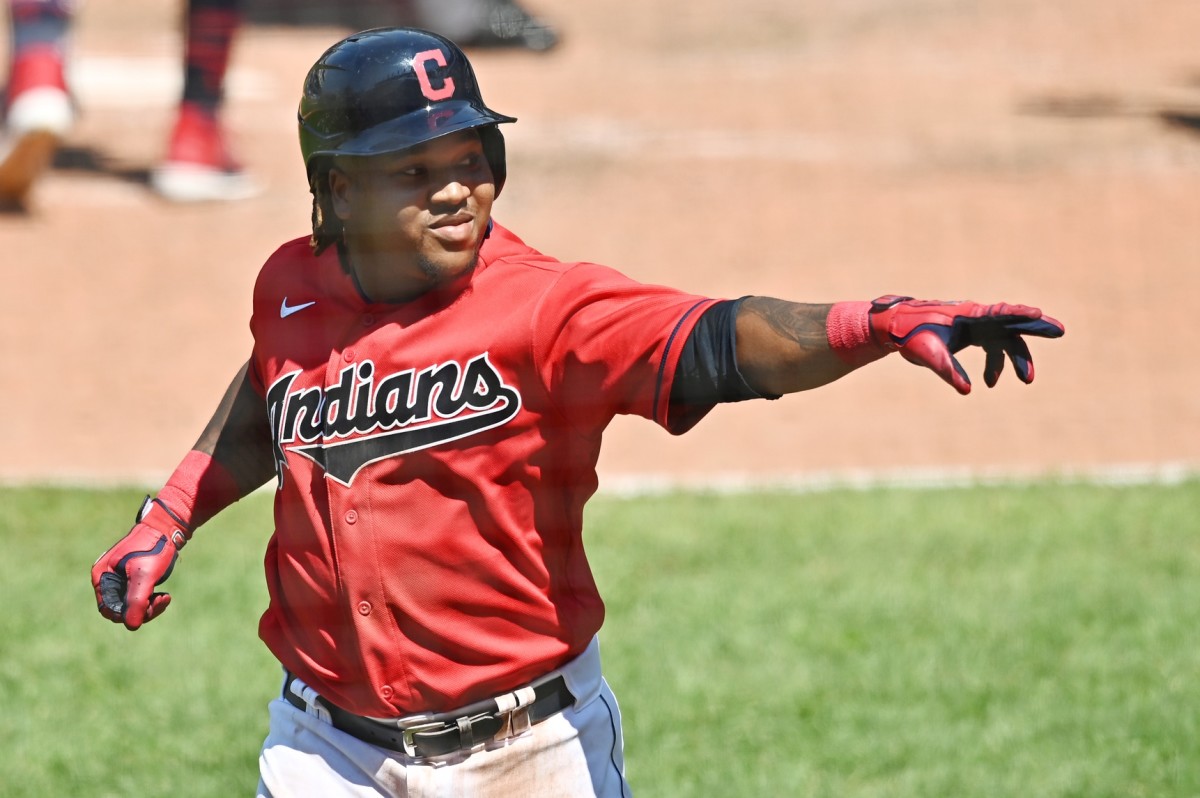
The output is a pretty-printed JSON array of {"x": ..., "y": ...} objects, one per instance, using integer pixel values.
[
  {"x": 1008, "y": 340},
  {"x": 138, "y": 613},
  {"x": 931, "y": 333},
  {"x": 1001, "y": 309},
  {"x": 1056, "y": 325},
  {"x": 993, "y": 366},
  {"x": 125, "y": 588},
  {"x": 1042, "y": 327},
  {"x": 960, "y": 380},
  {"x": 110, "y": 596},
  {"x": 122, "y": 599},
  {"x": 143, "y": 574},
  {"x": 137, "y": 598},
  {"x": 927, "y": 349},
  {"x": 1018, "y": 352},
  {"x": 133, "y": 613}
]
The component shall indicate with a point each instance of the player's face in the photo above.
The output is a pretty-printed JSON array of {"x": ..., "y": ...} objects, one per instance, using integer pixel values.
[{"x": 414, "y": 220}]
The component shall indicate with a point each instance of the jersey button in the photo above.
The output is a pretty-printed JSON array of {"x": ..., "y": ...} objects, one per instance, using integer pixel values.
[
  {"x": 348, "y": 356},
  {"x": 368, "y": 319},
  {"x": 364, "y": 608},
  {"x": 351, "y": 516},
  {"x": 386, "y": 692}
]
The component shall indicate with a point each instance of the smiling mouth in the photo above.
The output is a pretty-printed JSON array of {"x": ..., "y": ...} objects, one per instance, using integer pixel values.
[
  {"x": 457, "y": 228},
  {"x": 453, "y": 220}
]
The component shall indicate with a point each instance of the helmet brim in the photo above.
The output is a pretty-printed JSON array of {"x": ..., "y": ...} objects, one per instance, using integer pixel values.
[{"x": 411, "y": 130}]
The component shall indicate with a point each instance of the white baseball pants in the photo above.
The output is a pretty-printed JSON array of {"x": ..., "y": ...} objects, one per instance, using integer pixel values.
[{"x": 578, "y": 752}]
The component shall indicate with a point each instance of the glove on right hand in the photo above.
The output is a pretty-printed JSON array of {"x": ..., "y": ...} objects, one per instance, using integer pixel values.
[
  {"x": 929, "y": 333},
  {"x": 125, "y": 576}
]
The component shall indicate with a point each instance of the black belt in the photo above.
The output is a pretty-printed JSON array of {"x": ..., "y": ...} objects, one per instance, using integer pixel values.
[{"x": 440, "y": 734}]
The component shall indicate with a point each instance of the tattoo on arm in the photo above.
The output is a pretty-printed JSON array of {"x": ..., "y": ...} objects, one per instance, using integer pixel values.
[
  {"x": 799, "y": 323},
  {"x": 783, "y": 346}
]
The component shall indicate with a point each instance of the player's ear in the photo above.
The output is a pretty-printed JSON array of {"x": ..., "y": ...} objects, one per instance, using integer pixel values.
[{"x": 339, "y": 192}]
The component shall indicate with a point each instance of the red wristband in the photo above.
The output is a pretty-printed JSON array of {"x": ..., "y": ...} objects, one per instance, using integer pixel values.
[
  {"x": 848, "y": 329},
  {"x": 199, "y": 488}
]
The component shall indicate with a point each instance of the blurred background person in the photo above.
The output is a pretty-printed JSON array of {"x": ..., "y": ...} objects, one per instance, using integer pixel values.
[
  {"x": 484, "y": 23},
  {"x": 477, "y": 24},
  {"x": 198, "y": 164},
  {"x": 39, "y": 110}
]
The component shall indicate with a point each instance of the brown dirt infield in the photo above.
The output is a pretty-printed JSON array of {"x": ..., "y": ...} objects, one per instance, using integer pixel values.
[{"x": 1046, "y": 153}]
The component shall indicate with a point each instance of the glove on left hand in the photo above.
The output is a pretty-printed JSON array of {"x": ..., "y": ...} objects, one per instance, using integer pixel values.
[
  {"x": 929, "y": 333},
  {"x": 125, "y": 575}
]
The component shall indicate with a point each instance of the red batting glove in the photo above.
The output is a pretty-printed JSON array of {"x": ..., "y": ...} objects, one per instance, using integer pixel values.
[
  {"x": 930, "y": 333},
  {"x": 125, "y": 576}
]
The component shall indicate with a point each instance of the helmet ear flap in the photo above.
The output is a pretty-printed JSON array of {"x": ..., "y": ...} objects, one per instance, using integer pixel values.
[{"x": 493, "y": 149}]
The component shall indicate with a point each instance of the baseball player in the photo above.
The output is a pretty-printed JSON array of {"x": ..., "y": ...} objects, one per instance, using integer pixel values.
[{"x": 428, "y": 394}]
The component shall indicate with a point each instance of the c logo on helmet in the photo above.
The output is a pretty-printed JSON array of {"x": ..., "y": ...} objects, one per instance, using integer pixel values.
[{"x": 421, "y": 64}]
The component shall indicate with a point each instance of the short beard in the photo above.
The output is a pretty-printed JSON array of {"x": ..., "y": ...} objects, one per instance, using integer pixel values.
[{"x": 437, "y": 276}]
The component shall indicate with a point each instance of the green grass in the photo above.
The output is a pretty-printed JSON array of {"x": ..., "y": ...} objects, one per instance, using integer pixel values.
[{"x": 1017, "y": 641}]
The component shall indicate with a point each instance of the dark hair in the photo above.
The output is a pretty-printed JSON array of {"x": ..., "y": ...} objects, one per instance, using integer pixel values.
[{"x": 326, "y": 226}]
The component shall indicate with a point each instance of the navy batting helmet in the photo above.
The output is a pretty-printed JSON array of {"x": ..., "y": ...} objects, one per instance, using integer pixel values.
[{"x": 389, "y": 89}]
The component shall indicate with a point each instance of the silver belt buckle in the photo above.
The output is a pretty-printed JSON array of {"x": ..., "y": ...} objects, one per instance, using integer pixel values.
[{"x": 406, "y": 735}]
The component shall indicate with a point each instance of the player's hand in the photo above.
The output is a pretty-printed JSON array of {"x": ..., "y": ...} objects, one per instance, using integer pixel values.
[
  {"x": 930, "y": 333},
  {"x": 125, "y": 576}
]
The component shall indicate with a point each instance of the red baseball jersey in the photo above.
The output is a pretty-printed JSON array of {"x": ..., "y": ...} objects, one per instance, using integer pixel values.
[{"x": 433, "y": 461}]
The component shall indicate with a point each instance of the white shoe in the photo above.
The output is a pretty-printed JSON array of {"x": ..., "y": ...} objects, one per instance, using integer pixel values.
[
  {"x": 45, "y": 109},
  {"x": 191, "y": 182},
  {"x": 38, "y": 115}
]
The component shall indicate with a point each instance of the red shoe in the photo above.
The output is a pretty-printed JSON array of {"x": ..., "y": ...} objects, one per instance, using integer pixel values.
[
  {"x": 198, "y": 166},
  {"x": 38, "y": 113}
]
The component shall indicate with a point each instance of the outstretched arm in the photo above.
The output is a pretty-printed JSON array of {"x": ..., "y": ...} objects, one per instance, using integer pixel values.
[
  {"x": 783, "y": 347},
  {"x": 231, "y": 458}
]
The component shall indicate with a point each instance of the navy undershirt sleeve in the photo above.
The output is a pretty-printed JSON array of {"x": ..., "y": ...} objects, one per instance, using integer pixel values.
[{"x": 707, "y": 373}]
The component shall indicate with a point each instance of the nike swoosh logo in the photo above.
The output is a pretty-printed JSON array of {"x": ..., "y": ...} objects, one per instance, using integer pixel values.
[{"x": 286, "y": 310}]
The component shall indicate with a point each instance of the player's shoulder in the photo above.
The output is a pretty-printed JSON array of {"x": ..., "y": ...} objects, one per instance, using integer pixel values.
[
  {"x": 290, "y": 253},
  {"x": 505, "y": 252},
  {"x": 504, "y": 248},
  {"x": 294, "y": 260},
  {"x": 294, "y": 271}
]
